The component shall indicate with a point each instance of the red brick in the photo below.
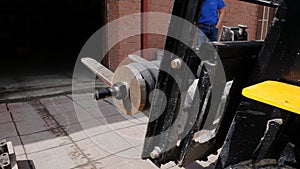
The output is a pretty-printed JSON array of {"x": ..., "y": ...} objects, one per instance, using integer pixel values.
[
  {"x": 129, "y": 4},
  {"x": 236, "y": 13}
]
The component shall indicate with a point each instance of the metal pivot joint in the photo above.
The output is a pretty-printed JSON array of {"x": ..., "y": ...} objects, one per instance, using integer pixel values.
[{"x": 129, "y": 85}]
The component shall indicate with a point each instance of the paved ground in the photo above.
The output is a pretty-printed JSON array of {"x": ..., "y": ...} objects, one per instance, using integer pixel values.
[
  {"x": 51, "y": 129},
  {"x": 23, "y": 85},
  {"x": 66, "y": 131}
]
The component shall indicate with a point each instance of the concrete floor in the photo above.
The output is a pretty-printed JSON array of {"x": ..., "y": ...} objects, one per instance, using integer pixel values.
[
  {"x": 64, "y": 131},
  {"x": 36, "y": 83}
]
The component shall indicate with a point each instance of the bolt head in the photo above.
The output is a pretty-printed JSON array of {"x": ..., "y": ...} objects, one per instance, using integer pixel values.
[
  {"x": 155, "y": 153},
  {"x": 176, "y": 63}
]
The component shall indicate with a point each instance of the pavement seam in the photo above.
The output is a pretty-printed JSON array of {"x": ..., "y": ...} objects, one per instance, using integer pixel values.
[
  {"x": 13, "y": 121},
  {"x": 84, "y": 108},
  {"x": 112, "y": 130},
  {"x": 108, "y": 104},
  {"x": 115, "y": 154},
  {"x": 64, "y": 126},
  {"x": 62, "y": 129},
  {"x": 41, "y": 131},
  {"x": 30, "y": 98}
]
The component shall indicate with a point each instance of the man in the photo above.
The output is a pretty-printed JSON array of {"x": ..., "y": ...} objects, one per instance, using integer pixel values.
[{"x": 211, "y": 16}]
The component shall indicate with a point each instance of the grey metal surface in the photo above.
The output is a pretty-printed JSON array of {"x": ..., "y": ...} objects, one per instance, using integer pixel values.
[
  {"x": 152, "y": 67},
  {"x": 99, "y": 70},
  {"x": 138, "y": 79}
]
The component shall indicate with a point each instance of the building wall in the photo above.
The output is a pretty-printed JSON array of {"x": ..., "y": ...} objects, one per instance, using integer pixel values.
[
  {"x": 115, "y": 10},
  {"x": 236, "y": 12},
  {"x": 157, "y": 41}
]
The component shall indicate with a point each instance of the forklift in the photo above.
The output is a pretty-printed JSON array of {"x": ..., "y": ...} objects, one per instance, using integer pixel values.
[{"x": 241, "y": 99}]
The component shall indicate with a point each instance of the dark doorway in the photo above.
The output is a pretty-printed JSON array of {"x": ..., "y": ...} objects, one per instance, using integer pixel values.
[
  {"x": 40, "y": 35},
  {"x": 40, "y": 41}
]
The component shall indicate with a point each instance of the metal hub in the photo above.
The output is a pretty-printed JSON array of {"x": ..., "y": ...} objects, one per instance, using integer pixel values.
[{"x": 136, "y": 97}]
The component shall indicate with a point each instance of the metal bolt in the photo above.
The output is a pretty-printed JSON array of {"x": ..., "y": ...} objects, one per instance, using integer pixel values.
[
  {"x": 176, "y": 63},
  {"x": 119, "y": 90},
  {"x": 93, "y": 96},
  {"x": 155, "y": 153}
]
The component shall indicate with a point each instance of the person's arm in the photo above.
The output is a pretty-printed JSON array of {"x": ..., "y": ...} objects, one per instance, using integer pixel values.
[{"x": 221, "y": 16}]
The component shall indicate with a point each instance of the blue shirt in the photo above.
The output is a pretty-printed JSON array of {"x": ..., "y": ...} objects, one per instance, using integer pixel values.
[{"x": 209, "y": 13}]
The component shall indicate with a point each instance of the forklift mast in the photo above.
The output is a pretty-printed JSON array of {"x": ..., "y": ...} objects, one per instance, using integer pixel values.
[{"x": 244, "y": 130}]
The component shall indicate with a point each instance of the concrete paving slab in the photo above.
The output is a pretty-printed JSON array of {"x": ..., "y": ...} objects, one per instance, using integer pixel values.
[
  {"x": 95, "y": 112},
  {"x": 201, "y": 165},
  {"x": 7, "y": 130},
  {"x": 140, "y": 148},
  {"x": 76, "y": 132},
  {"x": 115, "y": 162},
  {"x": 111, "y": 142},
  {"x": 212, "y": 158},
  {"x": 60, "y": 108},
  {"x": 82, "y": 139},
  {"x": 5, "y": 117},
  {"x": 141, "y": 117},
  {"x": 78, "y": 97},
  {"x": 21, "y": 157},
  {"x": 3, "y": 107},
  {"x": 22, "y": 111},
  {"x": 133, "y": 135},
  {"x": 61, "y": 157},
  {"x": 91, "y": 149},
  {"x": 31, "y": 118},
  {"x": 120, "y": 122},
  {"x": 50, "y": 101},
  {"x": 91, "y": 103},
  {"x": 170, "y": 165},
  {"x": 30, "y": 126},
  {"x": 82, "y": 114},
  {"x": 108, "y": 110},
  {"x": 19, "y": 106},
  {"x": 17, "y": 145},
  {"x": 72, "y": 117},
  {"x": 130, "y": 153},
  {"x": 85, "y": 166},
  {"x": 87, "y": 129},
  {"x": 44, "y": 140},
  {"x": 106, "y": 101}
]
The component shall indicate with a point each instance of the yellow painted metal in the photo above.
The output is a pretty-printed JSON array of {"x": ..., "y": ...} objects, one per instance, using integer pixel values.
[{"x": 277, "y": 94}]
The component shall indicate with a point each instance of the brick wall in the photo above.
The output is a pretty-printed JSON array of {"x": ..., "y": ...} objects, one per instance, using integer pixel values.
[
  {"x": 236, "y": 12},
  {"x": 155, "y": 42},
  {"x": 115, "y": 10}
]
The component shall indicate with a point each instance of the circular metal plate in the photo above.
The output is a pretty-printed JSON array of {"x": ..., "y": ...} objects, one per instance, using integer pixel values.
[{"x": 135, "y": 100}]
